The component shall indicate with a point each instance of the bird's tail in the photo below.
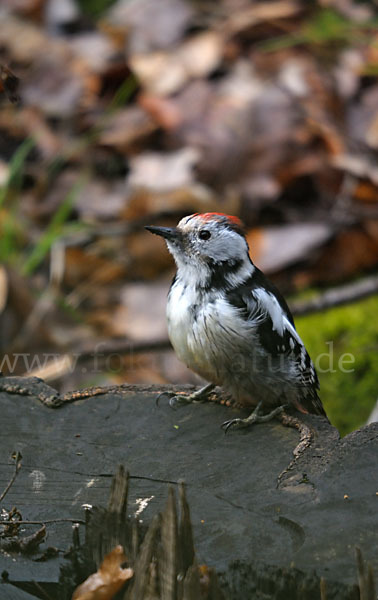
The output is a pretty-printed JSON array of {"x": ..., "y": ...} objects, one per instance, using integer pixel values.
[{"x": 311, "y": 403}]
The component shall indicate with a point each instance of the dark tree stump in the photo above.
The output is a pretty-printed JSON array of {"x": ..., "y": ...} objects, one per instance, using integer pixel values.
[{"x": 325, "y": 505}]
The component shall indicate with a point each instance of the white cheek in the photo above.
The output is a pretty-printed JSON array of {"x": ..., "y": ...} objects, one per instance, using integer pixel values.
[{"x": 224, "y": 248}]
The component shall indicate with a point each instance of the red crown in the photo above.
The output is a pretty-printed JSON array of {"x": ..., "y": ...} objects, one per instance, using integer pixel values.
[{"x": 233, "y": 222}]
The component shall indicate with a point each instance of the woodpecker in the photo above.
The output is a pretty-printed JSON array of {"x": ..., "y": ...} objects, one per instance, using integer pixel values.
[{"x": 229, "y": 324}]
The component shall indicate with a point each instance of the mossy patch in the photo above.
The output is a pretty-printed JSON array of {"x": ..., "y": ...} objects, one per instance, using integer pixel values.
[{"x": 343, "y": 344}]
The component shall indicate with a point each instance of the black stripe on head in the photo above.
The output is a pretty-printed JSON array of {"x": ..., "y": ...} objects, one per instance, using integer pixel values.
[
  {"x": 228, "y": 221},
  {"x": 233, "y": 224}
]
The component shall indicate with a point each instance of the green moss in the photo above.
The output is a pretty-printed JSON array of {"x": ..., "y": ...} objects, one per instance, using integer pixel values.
[
  {"x": 343, "y": 343},
  {"x": 95, "y": 8}
]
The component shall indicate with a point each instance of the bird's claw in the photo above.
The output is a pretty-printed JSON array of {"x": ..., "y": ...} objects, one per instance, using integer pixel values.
[
  {"x": 161, "y": 395},
  {"x": 255, "y": 417},
  {"x": 179, "y": 400},
  {"x": 175, "y": 400},
  {"x": 234, "y": 423}
]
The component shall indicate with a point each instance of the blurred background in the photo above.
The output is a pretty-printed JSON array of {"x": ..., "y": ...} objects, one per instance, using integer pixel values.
[{"x": 120, "y": 113}]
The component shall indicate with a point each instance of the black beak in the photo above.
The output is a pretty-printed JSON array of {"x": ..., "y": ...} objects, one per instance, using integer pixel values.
[{"x": 168, "y": 233}]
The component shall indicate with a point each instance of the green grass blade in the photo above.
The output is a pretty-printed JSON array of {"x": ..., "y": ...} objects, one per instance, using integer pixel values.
[
  {"x": 15, "y": 167},
  {"x": 53, "y": 232}
]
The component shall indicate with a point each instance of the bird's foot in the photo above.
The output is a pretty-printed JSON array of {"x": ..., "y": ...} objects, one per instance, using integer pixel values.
[
  {"x": 254, "y": 417},
  {"x": 177, "y": 400}
]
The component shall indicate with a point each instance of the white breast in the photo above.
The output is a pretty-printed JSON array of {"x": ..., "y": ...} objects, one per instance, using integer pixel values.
[
  {"x": 179, "y": 317},
  {"x": 204, "y": 331}
]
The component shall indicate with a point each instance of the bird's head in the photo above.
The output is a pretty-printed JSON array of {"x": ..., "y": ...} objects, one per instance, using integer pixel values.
[{"x": 207, "y": 243}]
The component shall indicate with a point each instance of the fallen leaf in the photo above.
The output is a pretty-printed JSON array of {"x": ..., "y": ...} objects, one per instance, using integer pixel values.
[
  {"x": 164, "y": 73},
  {"x": 137, "y": 317},
  {"x": 9, "y": 83},
  {"x": 149, "y": 25},
  {"x": 3, "y": 288},
  {"x": 274, "y": 248},
  {"x": 54, "y": 86},
  {"x": 201, "y": 54},
  {"x": 163, "y": 111},
  {"x": 83, "y": 267},
  {"x": 126, "y": 128},
  {"x": 59, "y": 13},
  {"x": 27, "y": 544},
  {"x": 106, "y": 582},
  {"x": 163, "y": 171},
  {"x": 366, "y": 192},
  {"x": 347, "y": 72},
  {"x": 57, "y": 367},
  {"x": 357, "y": 165},
  {"x": 94, "y": 48},
  {"x": 100, "y": 199},
  {"x": 187, "y": 199},
  {"x": 251, "y": 16},
  {"x": 352, "y": 251}
]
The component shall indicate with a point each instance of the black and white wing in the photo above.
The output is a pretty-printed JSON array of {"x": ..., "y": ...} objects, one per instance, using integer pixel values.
[{"x": 260, "y": 301}]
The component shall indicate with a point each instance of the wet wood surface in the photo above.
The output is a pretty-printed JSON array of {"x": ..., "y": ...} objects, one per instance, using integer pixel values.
[{"x": 325, "y": 505}]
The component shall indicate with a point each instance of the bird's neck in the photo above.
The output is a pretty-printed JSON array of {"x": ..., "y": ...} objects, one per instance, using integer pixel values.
[{"x": 215, "y": 276}]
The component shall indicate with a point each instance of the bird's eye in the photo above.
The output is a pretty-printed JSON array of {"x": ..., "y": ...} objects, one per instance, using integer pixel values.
[{"x": 204, "y": 234}]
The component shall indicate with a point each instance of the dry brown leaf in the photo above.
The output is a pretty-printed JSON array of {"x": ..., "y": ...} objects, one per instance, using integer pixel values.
[
  {"x": 149, "y": 25},
  {"x": 126, "y": 128},
  {"x": 106, "y": 582},
  {"x": 274, "y": 248},
  {"x": 82, "y": 266},
  {"x": 163, "y": 171},
  {"x": 164, "y": 73},
  {"x": 190, "y": 199},
  {"x": 348, "y": 71},
  {"x": 9, "y": 83},
  {"x": 201, "y": 54},
  {"x": 3, "y": 288},
  {"x": 137, "y": 317},
  {"x": 57, "y": 80},
  {"x": 372, "y": 132},
  {"x": 53, "y": 85},
  {"x": 36, "y": 126},
  {"x": 357, "y": 165},
  {"x": 164, "y": 111},
  {"x": 57, "y": 367},
  {"x": 325, "y": 131},
  {"x": 24, "y": 40},
  {"x": 352, "y": 251},
  {"x": 27, "y": 8},
  {"x": 100, "y": 199},
  {"x": 147, "y": 258},
  {"x": 94, "y": 48},
  {"x": 260, "y": 12},
  {"x": 366, "y": 192}
]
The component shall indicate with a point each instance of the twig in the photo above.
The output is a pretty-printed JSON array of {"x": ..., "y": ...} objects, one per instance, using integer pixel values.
[
  {"x": 48, "y": 521},
  {"x": 323, "y": 589},
  {"x": 17, "y": 458},
  {"x": 98, "y": 353},
  {"x": 337, "y": 296},
  {"x": 306, "y": 437},
  {"x": 41, "y": 590},
  {"x": 108, "y": 347},
  {"x": 365, "y": 577}
]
